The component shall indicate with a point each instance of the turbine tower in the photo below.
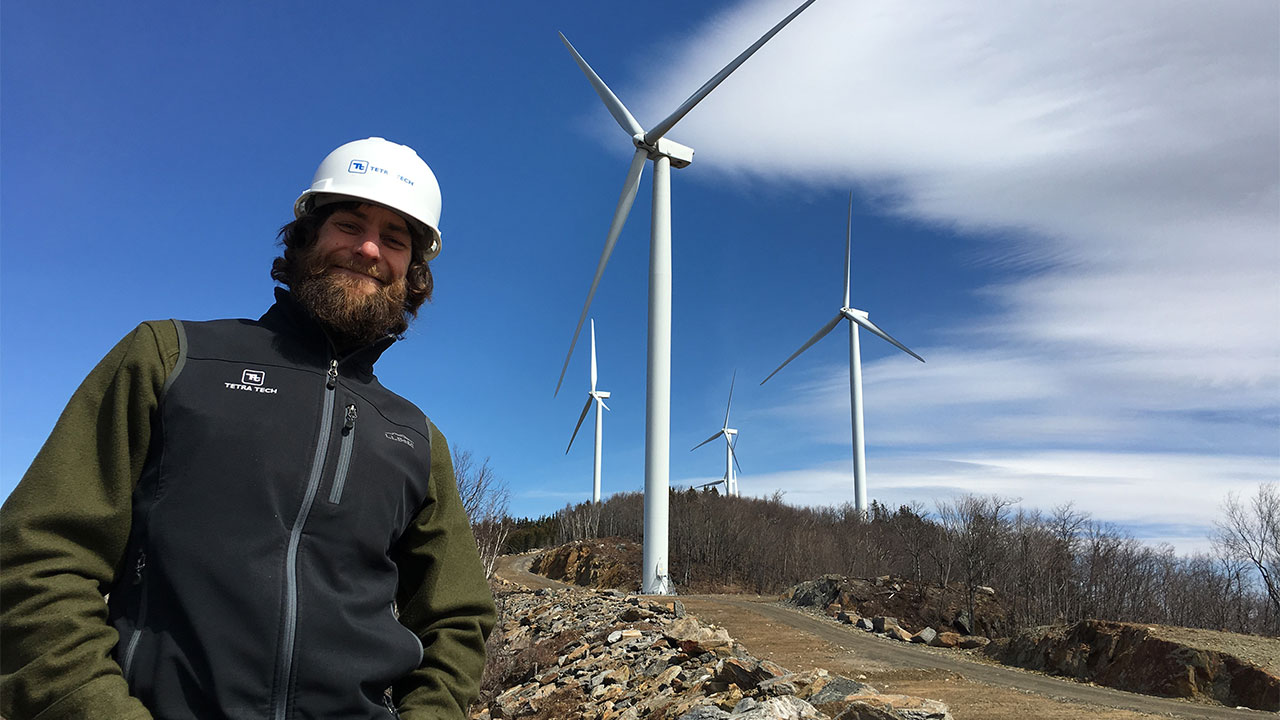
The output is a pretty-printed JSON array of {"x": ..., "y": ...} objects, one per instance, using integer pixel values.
[
  {"x": 597, "y": 397},
  {"x": 730, "y": 436},
  {"x": 665, "y": 153},
  {"x": 855, "y": 318}
]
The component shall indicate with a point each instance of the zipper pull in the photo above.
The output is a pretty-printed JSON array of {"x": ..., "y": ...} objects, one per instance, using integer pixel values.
[
  {"x": 333, "y": 374},
  {"x": 139, "y": 567},
  {"x": 350, "y": 423}
]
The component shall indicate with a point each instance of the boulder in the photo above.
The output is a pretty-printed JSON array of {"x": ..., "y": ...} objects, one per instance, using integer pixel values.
[
  {"x": 897, "y": 633},
  {"x": 894, "y": 707},
  {"x": 946, "y": 640},
  {"x": 925, "y": 636},
  {"x": 881, "y": 623}
]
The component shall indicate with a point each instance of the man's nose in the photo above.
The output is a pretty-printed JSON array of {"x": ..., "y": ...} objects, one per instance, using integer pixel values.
[{"x": 368, "y": 246}]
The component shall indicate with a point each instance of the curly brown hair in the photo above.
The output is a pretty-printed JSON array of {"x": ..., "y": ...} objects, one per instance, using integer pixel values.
[{"x": 300, "y": 235}]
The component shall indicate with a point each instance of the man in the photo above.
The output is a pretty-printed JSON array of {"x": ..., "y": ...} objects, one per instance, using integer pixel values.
[{"x": 279, "y": 535}]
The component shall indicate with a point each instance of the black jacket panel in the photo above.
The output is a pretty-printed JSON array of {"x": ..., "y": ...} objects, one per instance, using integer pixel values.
[{"x": 273, "y": 494}]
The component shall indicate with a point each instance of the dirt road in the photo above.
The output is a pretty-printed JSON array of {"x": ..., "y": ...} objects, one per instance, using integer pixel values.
[{"x": 975, "y": 690}]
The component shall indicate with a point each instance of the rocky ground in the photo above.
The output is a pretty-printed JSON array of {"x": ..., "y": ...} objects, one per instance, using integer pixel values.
[
  {"x": 1213, "y": 666},
  {"x": 571, "y": 653}
]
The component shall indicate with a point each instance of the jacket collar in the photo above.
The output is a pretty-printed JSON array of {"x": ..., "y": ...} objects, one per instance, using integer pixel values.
[{"x": 289, "y": 316}]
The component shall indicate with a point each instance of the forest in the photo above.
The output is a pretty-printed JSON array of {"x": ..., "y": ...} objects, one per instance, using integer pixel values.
[{"x": 1049, "y": 567}]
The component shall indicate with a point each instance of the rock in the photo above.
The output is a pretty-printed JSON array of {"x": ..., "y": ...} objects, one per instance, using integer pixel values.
[
  {"x": 834, "y": 609},
  {"x": 836, "y": 689},
  {"x": 963, "y": 623},
  {"x": 693, "y": 638},
  {"x": 845, "y": 617},
  {"x": 925, "y": 636},
  {"x": 973, "y": 641},
  {"x": 881, "y": 623},
  {"x": 1134, "y": 658},
  {"x": 946, "y": 640},
  {"x": 779, "y": 708},
  {"x": 568, "y": 656},
  {"x": 893, "y": 707},
  {"x": 815, "y": 593},
  {"x": 746, "y": 674},
  {"x": 704, "y": 712},
  {"x": 631, "y": 614},
  {"x": 984, "y": 590},
  {"x": 898, "y": 633},
  {"x": 865, "y": 624}
]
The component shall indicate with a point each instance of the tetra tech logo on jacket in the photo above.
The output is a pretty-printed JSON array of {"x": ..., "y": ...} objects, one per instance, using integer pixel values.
[{"x": 251, "y": 381}]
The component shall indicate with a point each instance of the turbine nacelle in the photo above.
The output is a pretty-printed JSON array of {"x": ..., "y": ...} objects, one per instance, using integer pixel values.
[{"x": 681, "y": 156}]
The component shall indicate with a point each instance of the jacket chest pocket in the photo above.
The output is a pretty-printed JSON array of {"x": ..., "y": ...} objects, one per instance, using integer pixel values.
[
  {"x": 379, "y": 470},
  {"x": 345, "y": 448}
]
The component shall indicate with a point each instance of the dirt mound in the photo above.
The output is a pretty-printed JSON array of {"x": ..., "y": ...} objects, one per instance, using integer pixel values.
[
  {"x": 606, "y": 563},
  {"x": 914, "y": 606},
  {"x": 1154, "y": 660}
]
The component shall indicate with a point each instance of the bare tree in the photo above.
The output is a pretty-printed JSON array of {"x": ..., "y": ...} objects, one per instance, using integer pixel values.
[
  {"x": 1253, "y": 534},
  {"x": 978, "y": 527},
  {"x": 485, "y": 498}
]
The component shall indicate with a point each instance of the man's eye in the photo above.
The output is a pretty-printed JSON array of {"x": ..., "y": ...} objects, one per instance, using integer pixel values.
[
  {"x": 395, "y": 242},
  {"x": 348, "y": 227}
]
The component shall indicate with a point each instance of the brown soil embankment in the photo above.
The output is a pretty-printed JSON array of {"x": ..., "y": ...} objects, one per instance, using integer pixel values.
[{"x": 1155, "y": 660}]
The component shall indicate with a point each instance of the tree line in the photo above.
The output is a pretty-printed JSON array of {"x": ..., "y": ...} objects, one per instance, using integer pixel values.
[{"x": 1048, "y": 567}]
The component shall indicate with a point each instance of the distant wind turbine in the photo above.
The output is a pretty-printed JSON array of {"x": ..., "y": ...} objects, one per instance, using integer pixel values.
[
  {"x": 597, "y": 397},
  {"x": 652, "y": 145},
  {"x": 730, "y": 436},
  {"x": 855, "y": 318}
]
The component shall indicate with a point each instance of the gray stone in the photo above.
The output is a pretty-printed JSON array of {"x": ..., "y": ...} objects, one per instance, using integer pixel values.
[
  {"x": 925, "y": 636},
  {"x": 839, "y": 689},
  {"x": 705, "y": 712},
  {"x": 778, "y": 708},
  {"x": 881, "y": 623},
  {"x": 864, "y": 624}
]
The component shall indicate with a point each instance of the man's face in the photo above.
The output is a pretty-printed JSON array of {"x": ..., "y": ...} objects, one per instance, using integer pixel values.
[
  {"x": 364, "y": 249},
  {"x": 353, "y": 276}
]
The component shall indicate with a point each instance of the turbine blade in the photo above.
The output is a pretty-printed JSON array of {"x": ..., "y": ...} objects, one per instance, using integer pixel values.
[
  {"x": 628, "y": 196},
  {"x": 593, "y": 355},
  {"x": 713, "y": 482},
  {"x": 866, "y": 323},
  {"x": 730, "y": 404},
  {"x": 611, "y": 101},
  {"x": 733, "y": 452},
  {"x": 704, "y": 442},
  {"x": 661, "y": 128},
  {"x": 848, "y": 243},
  {"x": 816, "y": 337},
  {"x": 581, "y": 417},
  {"x": 606, "y": 407}
]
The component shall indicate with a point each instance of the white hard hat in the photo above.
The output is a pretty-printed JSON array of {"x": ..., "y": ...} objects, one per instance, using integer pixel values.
[{"x": 383, "y": 173}]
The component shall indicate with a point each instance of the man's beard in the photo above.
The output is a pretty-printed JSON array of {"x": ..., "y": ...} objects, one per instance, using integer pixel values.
[{"x": 353, "y": 317}]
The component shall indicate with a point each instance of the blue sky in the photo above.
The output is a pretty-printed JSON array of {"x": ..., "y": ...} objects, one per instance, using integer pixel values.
[{"x": 1071, "y": 211}]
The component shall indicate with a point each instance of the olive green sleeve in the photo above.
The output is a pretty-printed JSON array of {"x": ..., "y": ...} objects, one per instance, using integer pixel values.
[
  {"x": 444, "y": 598},
  {"x": 63, "y": 532}
]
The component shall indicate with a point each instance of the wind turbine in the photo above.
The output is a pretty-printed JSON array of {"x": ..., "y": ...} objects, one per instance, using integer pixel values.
[
  {"x": 597, "y": 397},
  {"x": 730, "y": 436},
  {"x": 653, "y": 145},
  {"x": 855, "y": 318}
]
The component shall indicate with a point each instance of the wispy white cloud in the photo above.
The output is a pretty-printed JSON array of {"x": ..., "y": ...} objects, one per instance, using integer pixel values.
[{"x": 1131, "y": 149}]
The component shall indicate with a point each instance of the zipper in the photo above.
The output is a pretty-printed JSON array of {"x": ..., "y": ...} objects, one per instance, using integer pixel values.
[
  {"x": 390, "y": 704},
  {"x": 344, "y": 456},
  {"x": 138, "y": 569},
  {"x": 284, "y": 660}
]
